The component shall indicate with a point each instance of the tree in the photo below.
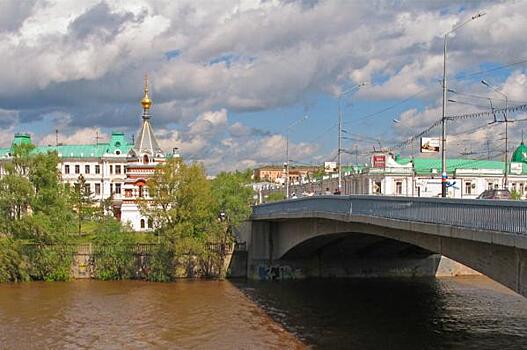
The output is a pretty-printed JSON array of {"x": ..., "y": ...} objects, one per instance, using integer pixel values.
[
  {"x": 82, "y": 202},
  {"x": 184, "y": 211},
  {"x": 275, "y": 196},
  {"x": 181, "y": 201},
  {"x": 233, "y": 194},
  {"x": 32, "y": 197}
]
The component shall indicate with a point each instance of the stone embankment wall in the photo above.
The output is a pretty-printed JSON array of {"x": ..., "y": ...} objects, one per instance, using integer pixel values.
[{"x": 84, "y": 262}]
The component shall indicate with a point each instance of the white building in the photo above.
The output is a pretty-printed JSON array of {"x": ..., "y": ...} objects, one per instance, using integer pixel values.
[
  {"x": 117, "y": 169},
  {"x": 421, "y": 177}
]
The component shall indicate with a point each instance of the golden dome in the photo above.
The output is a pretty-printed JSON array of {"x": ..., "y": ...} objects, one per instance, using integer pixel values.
[{"x": 146, "y": 101}]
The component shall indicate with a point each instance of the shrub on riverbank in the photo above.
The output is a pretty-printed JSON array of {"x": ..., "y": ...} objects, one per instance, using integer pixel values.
[
  {"x": 13, "y": 265},
  {"x": 161, "y": 264},
  {"x": 50, "y": 262},
  {"x": 114, "y": 258}
]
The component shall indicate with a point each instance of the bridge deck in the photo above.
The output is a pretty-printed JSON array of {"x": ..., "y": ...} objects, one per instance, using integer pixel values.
[{"x": 487, "y": 215}]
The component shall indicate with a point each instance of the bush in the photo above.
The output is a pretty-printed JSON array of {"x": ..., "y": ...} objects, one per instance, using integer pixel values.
[
  {"x": 13, "y": 264},
  {"x": 161, "y": 264},
  {"x": 114, "y": 257},
  {"x": 50, "y": 262}
]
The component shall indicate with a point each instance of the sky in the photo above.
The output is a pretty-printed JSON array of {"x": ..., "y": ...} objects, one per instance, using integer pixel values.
[{"x": 231, "y": 81}]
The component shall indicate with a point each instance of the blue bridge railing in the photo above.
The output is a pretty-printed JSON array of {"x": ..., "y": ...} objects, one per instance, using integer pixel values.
[{"x": 491, "y": 215}]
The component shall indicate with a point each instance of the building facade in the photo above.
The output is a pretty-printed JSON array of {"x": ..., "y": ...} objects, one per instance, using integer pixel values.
[
  {"x": 389, "y": 175},
  {"x": 117, "y": 169}
]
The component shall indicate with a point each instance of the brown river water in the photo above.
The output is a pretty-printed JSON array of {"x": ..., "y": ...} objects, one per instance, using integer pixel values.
[{"x": 456, "y": 313}]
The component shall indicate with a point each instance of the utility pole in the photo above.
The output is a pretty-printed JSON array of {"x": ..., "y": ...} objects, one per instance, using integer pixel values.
[
  {"x": 443, "y": 112},
  {"x": 506, "y": 121},
  {"x": 339, "y": 150},
  {"x": 339, "y": 134}
]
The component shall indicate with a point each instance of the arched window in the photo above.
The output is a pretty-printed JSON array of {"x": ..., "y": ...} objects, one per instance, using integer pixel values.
[
  {"x": 150, "y": 223},
  {"x": 142, "y": 223},
  {"x": 145, "y": 159}
]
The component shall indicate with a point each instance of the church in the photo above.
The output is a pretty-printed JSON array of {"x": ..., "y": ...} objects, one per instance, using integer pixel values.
[{"x": 117, "y": 169}]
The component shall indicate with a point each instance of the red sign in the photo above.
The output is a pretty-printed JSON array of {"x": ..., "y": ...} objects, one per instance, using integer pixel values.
[{"x": 379, "y": 161}]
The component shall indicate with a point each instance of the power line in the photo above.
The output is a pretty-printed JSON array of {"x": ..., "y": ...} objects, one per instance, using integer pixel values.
[
  {"x": 362, "y": 118},
  {"x": 482, "y": 97},
  {"x": 469, "y": 75}
]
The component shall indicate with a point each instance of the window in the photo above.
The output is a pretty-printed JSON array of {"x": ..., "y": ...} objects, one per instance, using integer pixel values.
[
  {"x": 66, "y": 169},
  {"x": 97, "y": 189},
  {"x": 128, "y": 193},
  {"x": 150, "y": 223},
  {"x": 77, "y": 169},
  {"x": 117, "y": 169},
  {"x": 377, "y": 187},
  {"x": 118, "y": 188},
  {"x": 87, "y": 189},
  {"x": 111, "y": 169},
  {"x": 141, "y": 191},
  {"x": 97, "y": 169},
  {"x": 142, "y": 223},
  {"x": 468, "y": 187},
  {"x": 86, "y": 169},
  {"x": 111, "y": 188},
  {"x": 398, "y": 187},
  {"x": 145, "y": 159}
]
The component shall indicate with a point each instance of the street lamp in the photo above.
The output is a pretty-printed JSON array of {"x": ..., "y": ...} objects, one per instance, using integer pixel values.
[
  {"x": 505, "y": 177},
  {"x": 339, "y": 134},
  {"x": 443, "y": 113},
  {"x": 286, "y": 164}
]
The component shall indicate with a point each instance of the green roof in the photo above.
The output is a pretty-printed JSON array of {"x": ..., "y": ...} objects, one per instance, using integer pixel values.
[
  {"x": 424, "y": 166},
  {"x": 520, "y": 154},
  {"x": 353, "y": 168},
  {"x": 117, "y": 145}
]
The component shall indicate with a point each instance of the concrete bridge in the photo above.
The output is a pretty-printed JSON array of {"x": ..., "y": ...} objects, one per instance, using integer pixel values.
[{"x": 358, "y": 236}]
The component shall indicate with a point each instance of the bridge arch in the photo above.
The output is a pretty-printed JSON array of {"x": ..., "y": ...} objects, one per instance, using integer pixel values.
[{"x": 506, "y": 265}]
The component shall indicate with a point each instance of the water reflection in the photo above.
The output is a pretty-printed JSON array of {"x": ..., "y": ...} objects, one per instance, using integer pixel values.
[{"x": 467, "y": 313}]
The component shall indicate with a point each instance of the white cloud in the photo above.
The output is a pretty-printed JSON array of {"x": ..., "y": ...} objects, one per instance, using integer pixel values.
[{"x": 239, "y": 55}]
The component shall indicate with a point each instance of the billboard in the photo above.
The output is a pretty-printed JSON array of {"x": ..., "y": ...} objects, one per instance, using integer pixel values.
[
  {"x": 429, "y": 144},
  {"x": 378, "y": 161},
  {"x": 330, "y": 167}
]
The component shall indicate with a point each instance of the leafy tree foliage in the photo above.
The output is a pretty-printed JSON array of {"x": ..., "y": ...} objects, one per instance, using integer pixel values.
[
  {"x": 233, "y": 194},
  {"x": 275, "y": 196},
  {"x": 186, "y": 208},
  {"x": 114, "y": 258},
  {"x": 32, "y": 198}
]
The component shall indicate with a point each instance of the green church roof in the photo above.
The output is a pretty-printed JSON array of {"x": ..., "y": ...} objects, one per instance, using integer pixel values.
[{"x": 117, "y": 145}]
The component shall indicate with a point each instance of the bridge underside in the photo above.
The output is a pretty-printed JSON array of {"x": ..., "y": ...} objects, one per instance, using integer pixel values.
[{"x": 316, "y": 247}]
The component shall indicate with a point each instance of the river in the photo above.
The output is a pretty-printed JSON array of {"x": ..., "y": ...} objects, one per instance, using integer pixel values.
[{"x": 449, "y": 313}]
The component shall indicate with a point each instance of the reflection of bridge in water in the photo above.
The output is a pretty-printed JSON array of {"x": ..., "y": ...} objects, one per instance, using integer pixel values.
[{"x": 346, "y": 236}]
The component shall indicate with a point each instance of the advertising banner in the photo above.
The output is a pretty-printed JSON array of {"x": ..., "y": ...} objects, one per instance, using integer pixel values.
[
  {"x": 430, "y": 144},
  {"x": 330, "y": 167},
  {"x": 379, "y": 161}
]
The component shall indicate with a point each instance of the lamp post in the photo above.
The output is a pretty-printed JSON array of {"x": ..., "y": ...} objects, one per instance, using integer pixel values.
[
  {"x": 286, "y": 164},
  {"x": 443, "y": 113},
  {"x": 506, "y": 121},
  {"x": 339, "y": 134}
]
